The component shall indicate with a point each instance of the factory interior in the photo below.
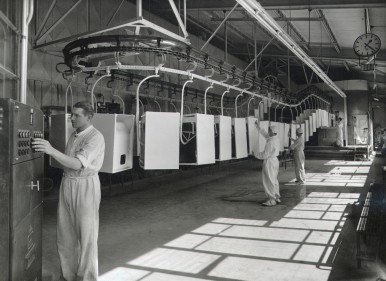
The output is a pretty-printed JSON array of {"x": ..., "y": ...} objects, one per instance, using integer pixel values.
[{"x": 182, "y": 93}]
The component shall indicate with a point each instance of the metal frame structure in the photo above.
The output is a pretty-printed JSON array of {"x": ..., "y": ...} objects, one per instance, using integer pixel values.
[
  {"x": 138, "y": 22},
  {"x": 190, "y": 75},
  {"x": 261, "y": 15}
]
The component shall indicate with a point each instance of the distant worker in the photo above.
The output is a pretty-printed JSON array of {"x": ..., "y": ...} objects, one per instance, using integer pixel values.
[
  {"x": 298, "y": 148},
  {"x": 339, "y": 132},
  {"x": 270, "y": 165},
  {"x": 383, "y": 141},
  {"x": 79, "y": 196}
]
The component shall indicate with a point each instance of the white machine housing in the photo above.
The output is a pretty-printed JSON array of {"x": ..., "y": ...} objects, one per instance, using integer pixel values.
[
  {"x": 159, "y": 140},
  {"x": 253, "y": 134},
  {"x": 306, "y": 130},
  {"x": 314, "y": 122},
  {"x": 310, "y": 126},
  {"x": 280, "y": 134},
  {"x": 203, "y": 143},
  {"x": 262, "y": 141},
  {"x": 59, "y": 133},
  {"x": 286, "y": 138},
  {"x": 239, "y": 138},
  {"x": 118, "y": 132},
  {"x": 223, "y": 139}
]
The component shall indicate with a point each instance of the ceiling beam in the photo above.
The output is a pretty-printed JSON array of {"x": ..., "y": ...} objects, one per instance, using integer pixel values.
[
  {"x": 294, "y": 29},
  {"x": 275, "y": 18},
  {"x": 289, "y": 5},
  {"x": 262, "y": 29},
  {"x": 380, "y": 60},
  {"x": 328, "y": 30},
  {"x": 208, "y": 31},
  {"x": 346, "y": 66}
]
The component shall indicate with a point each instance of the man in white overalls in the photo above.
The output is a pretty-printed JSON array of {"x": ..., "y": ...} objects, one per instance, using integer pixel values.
[
  {"x": 270, "y": 165},
  {"x": 79, "y": 197},
  {"x": 298, "y": 148},
  {"x": 339, "y": 132}
]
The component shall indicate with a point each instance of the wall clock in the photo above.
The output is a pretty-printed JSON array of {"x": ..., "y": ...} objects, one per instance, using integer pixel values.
[{"x": 367, "y": 45}]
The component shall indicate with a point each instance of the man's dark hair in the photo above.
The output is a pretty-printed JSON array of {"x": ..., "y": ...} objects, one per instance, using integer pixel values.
[
  {"x": 340, "y": 119},
  {"x": 87, "y": 108}
]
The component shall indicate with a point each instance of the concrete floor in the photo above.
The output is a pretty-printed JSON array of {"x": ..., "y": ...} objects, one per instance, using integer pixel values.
[{"x": 208, "y": 224}]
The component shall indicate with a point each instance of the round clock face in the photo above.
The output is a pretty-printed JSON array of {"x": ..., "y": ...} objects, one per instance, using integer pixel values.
[{"x": 367, "y": 45}]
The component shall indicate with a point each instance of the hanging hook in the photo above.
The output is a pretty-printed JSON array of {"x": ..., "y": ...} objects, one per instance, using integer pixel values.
[
  {"x": 137, "y": 109},
  {"x": 226, "y": 79},
  {"x": 211, "y": 73},
  {"x": 238, "y": 82},
  {"x": 222, "y": 98},
  {"x": 206, "y": 91},
  {"x": 93, "y": 87},
  {"x": 239, "y": 95},
  {"x": 249, "y": 102},
  {"x": 123, "y": 103},
  {"x": 182, "y": 108}
]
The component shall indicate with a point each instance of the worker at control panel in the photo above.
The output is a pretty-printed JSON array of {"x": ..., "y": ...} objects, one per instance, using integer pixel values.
[{"x": 79, "y": 197}]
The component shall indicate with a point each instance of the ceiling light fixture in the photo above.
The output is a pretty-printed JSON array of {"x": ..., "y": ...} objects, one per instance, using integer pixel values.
[
  {"x": 376, "y": 99},
  {"x": 260, "y": 14}
]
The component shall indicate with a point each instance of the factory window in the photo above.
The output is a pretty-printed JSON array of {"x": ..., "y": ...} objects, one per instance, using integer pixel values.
[{"x": 9, "y": 34}]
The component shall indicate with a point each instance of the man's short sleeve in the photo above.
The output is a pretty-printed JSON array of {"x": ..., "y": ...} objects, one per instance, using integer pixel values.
[{"x": 91, "y": 150}]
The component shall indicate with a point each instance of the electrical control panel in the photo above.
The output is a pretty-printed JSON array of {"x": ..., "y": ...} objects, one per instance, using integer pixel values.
[{"x": 21, "y": 182}]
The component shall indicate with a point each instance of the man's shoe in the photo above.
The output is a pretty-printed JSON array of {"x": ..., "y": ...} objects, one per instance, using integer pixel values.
[{"x": 269, "y": 203}]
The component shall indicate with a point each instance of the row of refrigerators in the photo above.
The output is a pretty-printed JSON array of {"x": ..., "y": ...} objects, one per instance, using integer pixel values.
[{"x": 204, "y": 139}]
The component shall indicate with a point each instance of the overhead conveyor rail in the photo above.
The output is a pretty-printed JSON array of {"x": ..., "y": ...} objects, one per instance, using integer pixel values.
[{"x": 76, "y": 54}]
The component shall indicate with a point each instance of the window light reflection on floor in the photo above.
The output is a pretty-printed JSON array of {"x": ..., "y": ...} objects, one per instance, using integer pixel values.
[
  {"x": 175, "y": 260},
  {"x": 299, "y": 246},
  {"x": 348, "y": 163},
  {"x": 338, "y": 177}
]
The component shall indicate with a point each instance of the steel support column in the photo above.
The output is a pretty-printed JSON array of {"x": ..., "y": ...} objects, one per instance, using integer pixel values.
[
  {"x": 27, "y": 14},
  {"x": 345, "y": 120}
]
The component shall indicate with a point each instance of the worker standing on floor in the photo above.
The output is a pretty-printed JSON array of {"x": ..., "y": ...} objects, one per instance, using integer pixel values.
[
  {"x": 298, "y": 148},
  {"x": 383, "y": 141},
  {"x": 270, "y": 165},
  {"x": 79, "y": 197},
  {"x": 339, "y": 132}
]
